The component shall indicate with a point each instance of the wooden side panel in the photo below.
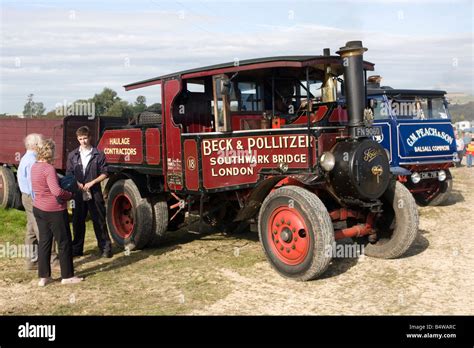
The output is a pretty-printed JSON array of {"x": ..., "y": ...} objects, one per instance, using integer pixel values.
[
  {"x": 122, "y": 146},
  {"x": 153, "y": 145},
  {"x": 191, "y": 164}
]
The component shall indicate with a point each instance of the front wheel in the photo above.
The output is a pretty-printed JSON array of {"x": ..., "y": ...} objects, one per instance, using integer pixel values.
[
  {"x": 397, "y": 227},
  {"x": 296, "y": 233},
  {"x": 129, "y": 215}
]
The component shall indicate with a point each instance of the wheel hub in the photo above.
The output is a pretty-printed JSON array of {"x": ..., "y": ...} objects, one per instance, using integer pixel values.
[{"x": 287, "y": 235}]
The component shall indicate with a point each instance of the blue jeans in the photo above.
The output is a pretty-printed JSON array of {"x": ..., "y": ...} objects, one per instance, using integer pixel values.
[{"x": 469, "y": 158}]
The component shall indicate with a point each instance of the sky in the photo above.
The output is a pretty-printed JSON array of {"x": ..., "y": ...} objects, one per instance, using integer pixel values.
[{"x": 62, "y": 51}]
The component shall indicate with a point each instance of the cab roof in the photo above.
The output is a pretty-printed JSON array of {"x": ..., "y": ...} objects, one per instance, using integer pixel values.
[{"x": 250, "y": 64}]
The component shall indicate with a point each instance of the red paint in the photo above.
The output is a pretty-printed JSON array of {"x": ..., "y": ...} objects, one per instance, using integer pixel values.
[
  {"x": 153, "y": 143},
  {"x": 339, "y": 115},
  {"x": 288, "y": 235},
  {"x": 218, "y": 173},
  {"x": 172, "y": 138},
  {"x": 122, "y": 146},
  {"x": 428, "y": 167},
  {"x": 142, "y": 84},
  {"x": 358, "y": 230},
  {"x": 402, "y": 178},
  {"x": 326, "y": 141},
  {"x": 122, "y": 215},
  {"x": 191, "y": 164}
]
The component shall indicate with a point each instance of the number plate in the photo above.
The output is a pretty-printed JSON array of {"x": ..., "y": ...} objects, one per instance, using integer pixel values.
[
  {"x": 429, "y": 175},
  {"x": 368, "y": 131}
]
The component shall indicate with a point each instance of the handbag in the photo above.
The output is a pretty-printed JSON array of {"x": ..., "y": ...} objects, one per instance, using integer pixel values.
[{"x": 68, "y": 183}]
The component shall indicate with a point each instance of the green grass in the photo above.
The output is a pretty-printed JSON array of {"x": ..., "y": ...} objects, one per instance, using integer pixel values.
[
  {"x": 180, "y": 276},
  {"x": 12, "y": 226}
]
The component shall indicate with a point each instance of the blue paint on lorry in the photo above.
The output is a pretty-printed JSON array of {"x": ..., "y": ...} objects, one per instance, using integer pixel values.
[{"x": 417, "y": 131}]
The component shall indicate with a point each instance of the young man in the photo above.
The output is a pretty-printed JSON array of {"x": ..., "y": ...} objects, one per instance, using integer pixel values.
[
  {"x": 89, "y": 167},
  {"x": 32, "y": 141}
]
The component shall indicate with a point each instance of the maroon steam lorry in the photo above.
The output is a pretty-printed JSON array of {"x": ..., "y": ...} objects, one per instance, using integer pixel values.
[{"x": 262, "y": 141}]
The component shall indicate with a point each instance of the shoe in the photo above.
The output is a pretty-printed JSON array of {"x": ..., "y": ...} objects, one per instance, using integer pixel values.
[
  {"x": 72, "y": 280},
  {"x": 45, "y": 281},
  {"x": 31, "y": 266},
  {"x": 106, "y": 254}
]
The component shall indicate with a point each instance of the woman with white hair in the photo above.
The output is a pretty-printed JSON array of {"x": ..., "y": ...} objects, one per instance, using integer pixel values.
[{"x": 50, "y": 210}]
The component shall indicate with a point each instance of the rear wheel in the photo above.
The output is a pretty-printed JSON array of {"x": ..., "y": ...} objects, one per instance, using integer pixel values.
[
  {"x": 160, "y": 219},
  {"x": 397, "y": 228},
  {"x": 296, "y": 231},
  {"x": 129, "y": 215},
  {"x": 9, "y": 193}
]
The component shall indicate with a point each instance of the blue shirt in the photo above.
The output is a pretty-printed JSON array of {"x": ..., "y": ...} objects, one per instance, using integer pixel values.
[{"x": 24, "y": 172}]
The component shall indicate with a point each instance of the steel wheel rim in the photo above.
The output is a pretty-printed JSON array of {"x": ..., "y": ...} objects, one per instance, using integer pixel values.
[
  {"x": 288, "y": 236},
  {"x": 122, "y": 216}
]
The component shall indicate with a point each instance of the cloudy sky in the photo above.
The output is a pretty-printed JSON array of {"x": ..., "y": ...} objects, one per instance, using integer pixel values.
[{"x": 67, "y": 50}]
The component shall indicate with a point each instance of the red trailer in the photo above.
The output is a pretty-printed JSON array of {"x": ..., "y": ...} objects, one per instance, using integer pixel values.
[
  {"x": 62, "y": 131},
  {"x": 254, "y": 142}
]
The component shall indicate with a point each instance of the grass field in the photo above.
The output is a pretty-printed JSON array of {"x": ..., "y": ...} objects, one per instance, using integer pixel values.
[{"x": 174, "y": 279}]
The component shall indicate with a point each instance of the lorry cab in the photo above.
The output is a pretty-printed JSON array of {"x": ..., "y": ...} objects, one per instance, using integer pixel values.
[{"x": 417, "y": 132}]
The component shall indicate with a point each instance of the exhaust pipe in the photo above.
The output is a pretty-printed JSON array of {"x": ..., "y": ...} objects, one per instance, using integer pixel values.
[{"x": 353, "y": 59}]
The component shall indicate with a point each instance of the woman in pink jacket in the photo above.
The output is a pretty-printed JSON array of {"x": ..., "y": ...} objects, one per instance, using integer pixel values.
[{"x": 50, "y": 211}]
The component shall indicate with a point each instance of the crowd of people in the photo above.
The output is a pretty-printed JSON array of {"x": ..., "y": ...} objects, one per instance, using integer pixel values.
[
  {"x": 45, "y": 196},
  {"x": 465, "y": 148}
]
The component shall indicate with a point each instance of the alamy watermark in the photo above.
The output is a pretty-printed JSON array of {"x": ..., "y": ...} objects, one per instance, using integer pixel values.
[
  {"x": 8, "y": 250},
  {"x": 344, "y": 250},
  {"x": 75, "y": 109}
]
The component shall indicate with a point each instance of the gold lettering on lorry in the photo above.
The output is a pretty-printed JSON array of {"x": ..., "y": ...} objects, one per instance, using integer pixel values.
[
  {"x": 240, "y": 156},
  {"x": 119, "y": 141}
]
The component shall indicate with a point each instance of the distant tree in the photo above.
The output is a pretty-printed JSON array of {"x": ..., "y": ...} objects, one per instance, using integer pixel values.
[
  {"x": 120, "y": 108},
  {"x": 140, "y": 104},
  {"x": 52, "y": 114},
  {"x": 104, "y": 101},
  {"x": 29, "y": 106},
  {"x": 32, "y": 108}
]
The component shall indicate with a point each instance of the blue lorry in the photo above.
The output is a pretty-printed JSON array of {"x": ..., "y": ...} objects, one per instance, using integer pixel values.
[{"x": 417, "y": 132}]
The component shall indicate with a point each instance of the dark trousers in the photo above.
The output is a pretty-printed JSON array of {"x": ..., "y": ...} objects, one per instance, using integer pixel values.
[
  {"x": 54, "y": 224},
  {"x": 97, "y": 211},
  {"x": 460, "y": 156}
]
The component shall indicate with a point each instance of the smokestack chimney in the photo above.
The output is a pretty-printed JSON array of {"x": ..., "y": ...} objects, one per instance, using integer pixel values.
[{"x": 352, "y": 60}]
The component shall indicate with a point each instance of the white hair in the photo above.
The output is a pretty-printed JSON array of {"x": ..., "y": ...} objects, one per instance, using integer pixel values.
[{"x": 33, "y": 140}]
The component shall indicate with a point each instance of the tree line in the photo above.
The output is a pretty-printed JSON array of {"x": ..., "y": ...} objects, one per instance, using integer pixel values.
[{"x": 106, "y": 103}]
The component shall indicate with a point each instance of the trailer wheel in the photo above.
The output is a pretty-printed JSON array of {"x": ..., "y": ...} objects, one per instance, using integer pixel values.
[
  {"x": 438, "y": 195},
  {"x": 398, "y": 226},
  {"x": 129, "y": 215},
  {"x": 8, "y": 188},
  {"x": 296, "y": 231},
  {"x": 160, "y": 219}
]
